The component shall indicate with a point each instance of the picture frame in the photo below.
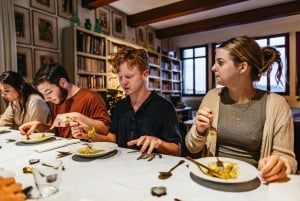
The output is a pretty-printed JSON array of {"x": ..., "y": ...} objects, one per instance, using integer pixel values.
[
  {"x": 24, "y": 63},
  {"x": 22, "y": 25},
  {"x": 118, "y": 25},
  {"x": 140, "y": 36},
  {"x": 45, "y": 30},
  {"x": 103, "y": 15},
  {"x": 44, "y": 57},
  {"x": 65, "y": 8},
  {"x": 150, "y": 37},
  {"x": 44, "y": 5}
]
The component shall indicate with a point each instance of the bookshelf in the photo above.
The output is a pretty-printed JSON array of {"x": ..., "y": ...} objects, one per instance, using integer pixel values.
[{"x": 86, "y": 59}]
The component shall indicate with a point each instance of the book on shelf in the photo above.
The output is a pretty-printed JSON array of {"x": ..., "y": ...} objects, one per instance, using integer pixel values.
[
  {"x": 90, "y": 44},
  {"x": 91, "y": 82},
  {"x": 91, "y": 65}
]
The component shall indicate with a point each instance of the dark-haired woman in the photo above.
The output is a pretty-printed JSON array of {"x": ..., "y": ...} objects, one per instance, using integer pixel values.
[{"x": 24, "y": 102}]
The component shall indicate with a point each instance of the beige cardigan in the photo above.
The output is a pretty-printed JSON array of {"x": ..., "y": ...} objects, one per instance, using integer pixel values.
[{"x": 278, "y": 134}]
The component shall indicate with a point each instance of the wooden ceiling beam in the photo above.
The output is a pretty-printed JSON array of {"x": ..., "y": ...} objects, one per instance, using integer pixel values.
[
  {"x": 92, "y": 4},
  {"x": 175, "y": 10},
  {"x": 256, "y": 15}
]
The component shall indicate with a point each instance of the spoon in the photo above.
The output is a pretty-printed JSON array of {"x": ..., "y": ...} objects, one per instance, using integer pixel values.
[
  {"x": 166, "y": 175},
  {"x": 27, "y": 170}
]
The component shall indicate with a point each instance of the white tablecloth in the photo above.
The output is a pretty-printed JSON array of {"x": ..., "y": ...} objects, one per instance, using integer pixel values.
[{"x": 121, "y": 177}]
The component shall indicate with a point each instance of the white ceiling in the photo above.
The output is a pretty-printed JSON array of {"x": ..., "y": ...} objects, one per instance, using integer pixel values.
[{"x": 135, "y": 6}]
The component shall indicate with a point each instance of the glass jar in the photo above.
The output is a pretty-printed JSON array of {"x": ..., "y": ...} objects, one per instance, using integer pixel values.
[
  {"x": 74, "y": 20},
  {"x": 97, "y": 27},
  {"x": 87, "y": 24}
]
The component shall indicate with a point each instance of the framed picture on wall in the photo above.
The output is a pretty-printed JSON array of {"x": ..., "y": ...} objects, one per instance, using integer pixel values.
[
  {"x": 150, "y": 37},
  {"x": 140, "y": 36},
  {"x": 118, "y": 23},
  {"x": 45, "y": 5},
  {"x": 22, "y": 23},
  {"x": 103, "y": 15},
  {"x": 45, "y": 30},
  {"x": 66, "y": 8},
  {"x": 24, "y": 63},
  {"x": 44, "y": 57}
]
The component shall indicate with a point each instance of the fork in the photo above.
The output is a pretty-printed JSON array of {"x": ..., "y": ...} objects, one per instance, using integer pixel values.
[
  {"x": 220, "y": 164},
  {"x": 143, "y": 156},
  {"x": 63, "y": 154},
  {"x": 151, "y": 156},
  {"x": 200, "y": 166}
]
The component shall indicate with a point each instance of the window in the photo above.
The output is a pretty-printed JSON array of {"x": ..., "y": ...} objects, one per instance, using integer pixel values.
[
  {"x": 194, "y": 67},
  {"x": 267, "y": 80}
]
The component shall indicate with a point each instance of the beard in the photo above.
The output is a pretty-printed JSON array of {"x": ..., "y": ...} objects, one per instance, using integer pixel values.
[{"x": 63, "y": 95}]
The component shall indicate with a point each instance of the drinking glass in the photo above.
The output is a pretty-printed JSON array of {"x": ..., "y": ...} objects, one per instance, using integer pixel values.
[{"x": 47, "y": 177}]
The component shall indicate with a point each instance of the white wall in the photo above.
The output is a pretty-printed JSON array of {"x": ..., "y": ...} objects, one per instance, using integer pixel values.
[{"x": 278, "y": 26}]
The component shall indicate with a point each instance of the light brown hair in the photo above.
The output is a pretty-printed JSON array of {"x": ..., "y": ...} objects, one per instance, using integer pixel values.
[
  {"x": 133, "y": 57},
  {"x": 246, "y": 49}
]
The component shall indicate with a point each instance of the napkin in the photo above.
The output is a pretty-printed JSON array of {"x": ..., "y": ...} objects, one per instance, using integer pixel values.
[
  {"x": 279, "y": 191},
  {"x": 54, "y": 145}
]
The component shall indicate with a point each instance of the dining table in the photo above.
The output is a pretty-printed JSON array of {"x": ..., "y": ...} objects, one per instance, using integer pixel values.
[{"x": 122, "y": 176}]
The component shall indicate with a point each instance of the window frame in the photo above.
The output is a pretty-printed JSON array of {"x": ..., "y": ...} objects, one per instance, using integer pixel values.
[{"x": 194, "y": 69}]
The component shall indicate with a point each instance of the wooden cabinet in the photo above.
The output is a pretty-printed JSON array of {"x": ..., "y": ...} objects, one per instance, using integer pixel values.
[{"x": 86, "y": 59}]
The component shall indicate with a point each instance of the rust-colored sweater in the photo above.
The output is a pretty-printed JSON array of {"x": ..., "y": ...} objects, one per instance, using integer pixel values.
[{"x": 86, "y": 102}]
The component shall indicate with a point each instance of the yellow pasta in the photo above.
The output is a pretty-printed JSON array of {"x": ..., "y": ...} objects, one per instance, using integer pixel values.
[
  {"x": 41, "y": 136},
  {"x": 91, "y": 132},
  {"x": 69, "y": 118},
  {"x": 87, "y": 150},
  {"x": 230, "y": 170}
]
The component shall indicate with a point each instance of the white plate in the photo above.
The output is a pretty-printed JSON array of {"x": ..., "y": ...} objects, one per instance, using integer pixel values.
[
  {"x": 36, "y": 137},
  {"x": 246, "y": 171},
  {"x": 107, "y": 147}
]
